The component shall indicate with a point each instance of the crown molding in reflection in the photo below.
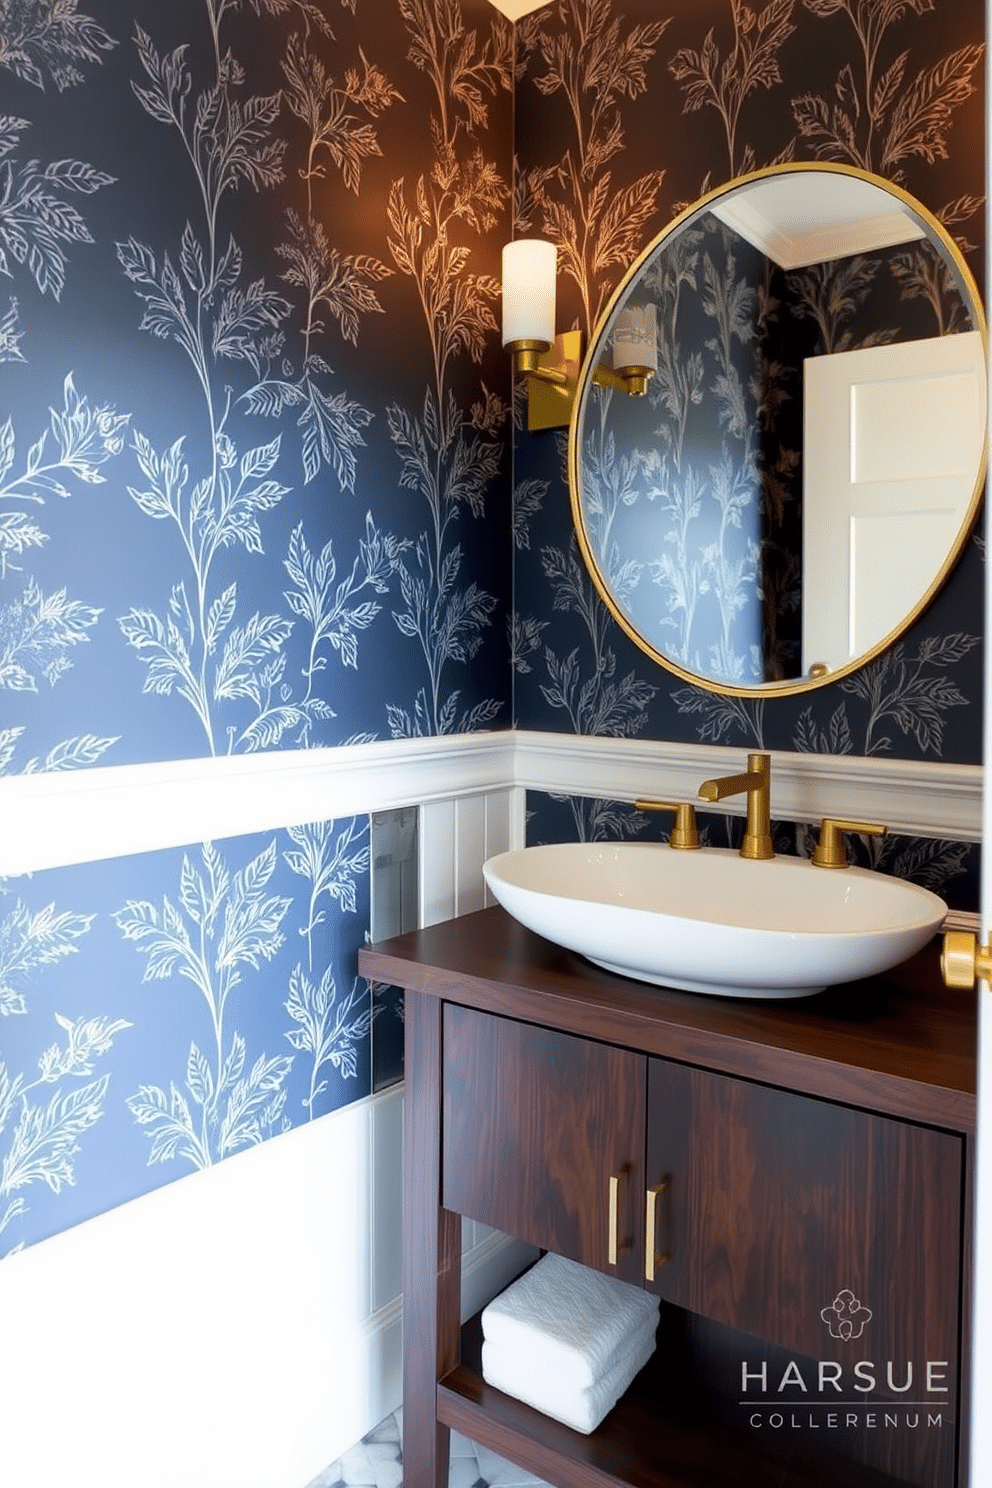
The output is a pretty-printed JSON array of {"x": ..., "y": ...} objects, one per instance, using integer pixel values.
[
  {"x": 55, "y": 820},
  {"x": 848, "y": 216}
]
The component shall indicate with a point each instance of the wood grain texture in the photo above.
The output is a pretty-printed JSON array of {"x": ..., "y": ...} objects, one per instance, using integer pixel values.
[
  {"x": 431, "y": 1253},
  {"x": 535, "y": 1123},
  {"x": 781, "y": 1204},
  {"x": 837, "y": 1155},
  {"x": 899, "y": 1044}
]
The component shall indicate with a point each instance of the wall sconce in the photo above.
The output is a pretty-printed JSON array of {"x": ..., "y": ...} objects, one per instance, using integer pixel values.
[
  {"x": 635, "y": 351},
  {"x": 549, "y": 362},
  {"x": 635, "y": 347}
]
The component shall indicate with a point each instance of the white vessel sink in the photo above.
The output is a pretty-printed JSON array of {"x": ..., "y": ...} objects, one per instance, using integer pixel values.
[{"x": 712, "y": 921}]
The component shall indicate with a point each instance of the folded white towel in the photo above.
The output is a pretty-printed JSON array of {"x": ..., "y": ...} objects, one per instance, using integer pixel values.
[
  {"x": 582, "y": 1409},
  {"x": 567, "y": 1320}
]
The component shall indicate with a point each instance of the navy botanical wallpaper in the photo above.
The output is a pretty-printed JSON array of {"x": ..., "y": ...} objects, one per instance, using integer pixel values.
[
  {"x": 164, "y": 1013},
  {"x": 253, "y": 450},
  {"x": 254, "y": 495},
  {"x": 256, "y": 491},
  {"x": 626, "y": 114}
]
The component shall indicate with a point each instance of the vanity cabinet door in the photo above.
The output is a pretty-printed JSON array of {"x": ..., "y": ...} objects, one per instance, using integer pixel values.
[
  {"x": 800, "y": 1222},
  {"x": 538, "y": 1127}
]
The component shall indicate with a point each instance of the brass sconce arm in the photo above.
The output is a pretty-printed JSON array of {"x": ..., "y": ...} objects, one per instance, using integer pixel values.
[
  {"x": 552, "y": 372},
  {"x": 630, "y": 380},
  {"x": 527, "y": 361}
]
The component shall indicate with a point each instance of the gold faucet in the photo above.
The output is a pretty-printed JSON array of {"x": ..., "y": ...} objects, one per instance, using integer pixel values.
[{"x": 756, "y": 781}]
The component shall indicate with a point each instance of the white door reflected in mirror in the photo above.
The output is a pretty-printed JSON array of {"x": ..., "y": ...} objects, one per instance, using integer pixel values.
[{"x": 888, "y": 476}]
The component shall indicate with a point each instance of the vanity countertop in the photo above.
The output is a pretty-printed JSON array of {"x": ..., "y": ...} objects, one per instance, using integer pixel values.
[{"x": 901, "y": 1043}]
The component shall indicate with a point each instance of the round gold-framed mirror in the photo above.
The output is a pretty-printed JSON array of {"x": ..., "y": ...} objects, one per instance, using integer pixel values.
[{"x": 778, "y": 443}]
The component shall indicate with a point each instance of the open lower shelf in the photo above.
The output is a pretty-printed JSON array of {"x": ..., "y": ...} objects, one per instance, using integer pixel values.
[{"x": 655, "y": 1437}]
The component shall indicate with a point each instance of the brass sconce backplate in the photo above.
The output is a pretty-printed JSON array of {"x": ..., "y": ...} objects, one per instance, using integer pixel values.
[{"x": 550, "y": 404}]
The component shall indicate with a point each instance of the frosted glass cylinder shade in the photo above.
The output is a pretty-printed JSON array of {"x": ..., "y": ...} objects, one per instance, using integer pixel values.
[
  {"x": 529, "y": 269},
  {"x": 635, "y": 340}
]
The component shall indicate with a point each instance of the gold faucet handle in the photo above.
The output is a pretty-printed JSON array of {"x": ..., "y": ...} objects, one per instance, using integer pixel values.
[
  {"x": 831, "y": 851},
  {"x": 685, "y": 833}
]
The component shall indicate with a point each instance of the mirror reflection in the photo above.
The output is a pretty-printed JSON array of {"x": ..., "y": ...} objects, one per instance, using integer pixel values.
[{"x": 799, "y": 474}]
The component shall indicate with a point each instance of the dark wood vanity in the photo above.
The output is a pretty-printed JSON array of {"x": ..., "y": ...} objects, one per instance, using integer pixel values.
[{"x": 805, "y": 1168}]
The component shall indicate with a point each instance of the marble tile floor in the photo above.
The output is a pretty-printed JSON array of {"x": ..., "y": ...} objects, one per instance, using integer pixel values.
[{"x": 377, "y": 1462}]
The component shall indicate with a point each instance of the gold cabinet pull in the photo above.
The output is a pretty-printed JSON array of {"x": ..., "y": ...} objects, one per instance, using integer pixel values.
[
  {"x": 614, "y": 1244},
  {"x": 963, "y": 960},
  {"x": 652, "y": 1259}
]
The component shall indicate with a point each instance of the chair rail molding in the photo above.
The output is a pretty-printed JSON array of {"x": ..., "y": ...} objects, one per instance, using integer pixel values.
[{"x": 53, "y": 820}]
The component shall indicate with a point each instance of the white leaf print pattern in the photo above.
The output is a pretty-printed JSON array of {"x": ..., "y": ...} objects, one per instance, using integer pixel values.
[{"x": 224, "y": 923}]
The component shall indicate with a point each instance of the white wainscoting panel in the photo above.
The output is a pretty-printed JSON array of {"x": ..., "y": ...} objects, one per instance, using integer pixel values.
[
  {"x": 438, "y": 862},
  {"x": 386, "y": 1282},
  {"x": 249, "y": 1317},
  {"x": 230, "y": 1339},
  {"x": 245, "y": 1322},
  {"x": 456, "y": 838}
]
